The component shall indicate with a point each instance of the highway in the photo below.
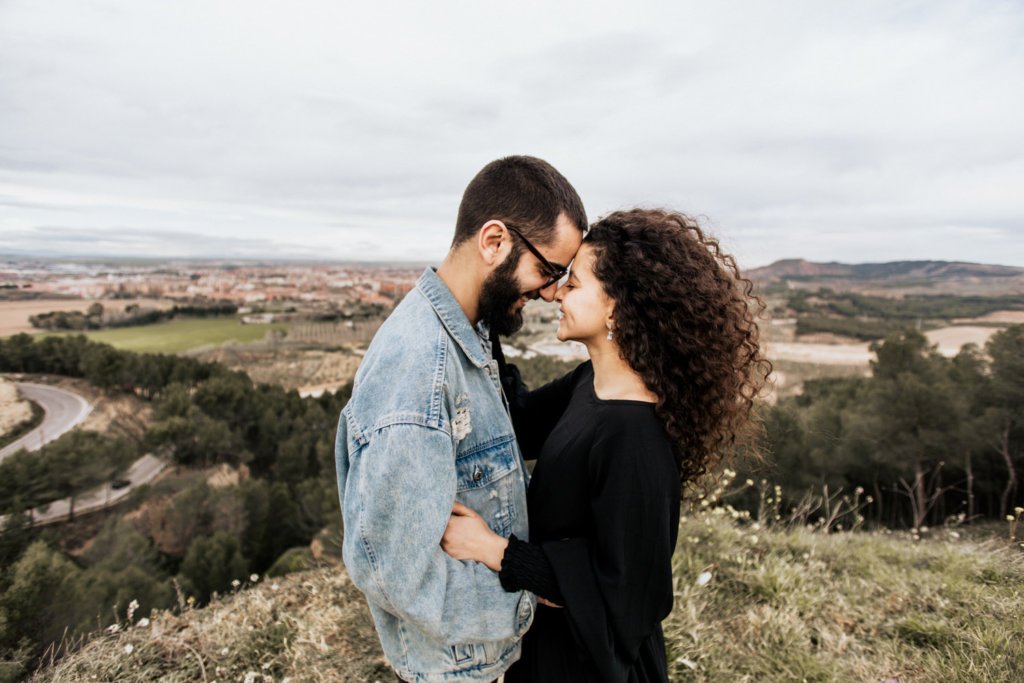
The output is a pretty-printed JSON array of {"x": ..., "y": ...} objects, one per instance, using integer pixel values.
[{"x": 64, "y": 410}]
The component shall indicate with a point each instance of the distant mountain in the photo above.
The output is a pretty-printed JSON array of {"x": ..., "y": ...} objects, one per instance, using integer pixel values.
[{"x": 799, "y": 269}]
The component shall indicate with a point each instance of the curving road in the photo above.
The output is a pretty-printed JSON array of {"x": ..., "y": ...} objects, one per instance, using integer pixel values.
[{"x": 63, "y": 409}]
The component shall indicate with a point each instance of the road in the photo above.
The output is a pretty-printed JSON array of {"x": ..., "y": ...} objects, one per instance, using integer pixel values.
[
  {"x": 142, "y": 471},
  {"x": 63, "y": 409}
]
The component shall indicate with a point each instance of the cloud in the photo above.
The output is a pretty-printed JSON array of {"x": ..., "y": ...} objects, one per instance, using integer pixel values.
[{"x": 836, "y": 132}]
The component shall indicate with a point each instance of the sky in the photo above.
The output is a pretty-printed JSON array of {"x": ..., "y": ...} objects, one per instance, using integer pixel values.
[{"x": 832, "y": 131}]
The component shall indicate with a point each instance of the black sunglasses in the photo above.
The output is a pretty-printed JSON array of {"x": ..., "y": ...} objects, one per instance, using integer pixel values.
[{"x": 555, "y": 273}]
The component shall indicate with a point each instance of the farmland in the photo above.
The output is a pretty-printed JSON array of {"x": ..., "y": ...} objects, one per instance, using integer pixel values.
[{"x": 182, "y": 335}]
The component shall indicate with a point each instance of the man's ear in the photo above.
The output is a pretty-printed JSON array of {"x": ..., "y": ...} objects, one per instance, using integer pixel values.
[{"x": 491, "y": 241}]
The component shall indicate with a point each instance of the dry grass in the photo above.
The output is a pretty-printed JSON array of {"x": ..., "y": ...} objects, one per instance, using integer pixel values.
[
  {"x": 786, "y": 604},
  {"x": 312, "y": 626}
]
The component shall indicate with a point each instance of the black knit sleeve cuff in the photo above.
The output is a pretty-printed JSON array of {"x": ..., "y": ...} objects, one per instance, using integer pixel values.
[{"x": 526, "y": 567}]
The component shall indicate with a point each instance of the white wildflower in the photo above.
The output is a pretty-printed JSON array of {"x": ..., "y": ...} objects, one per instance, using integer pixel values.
[
  {"x": 224, "y": 651},
  {"x": 689, "y": 664},
  {"x": 132, "y": 606},
  {"x": 129, "y": 648},
  {"x": 703, "y": 578},
  {"x": 254, "y": 577},
  {"x": 144, "y": 622},
  {"x": 235, "y": 583},
  {"x": 274, "y": 586},
  {"x": 113, "y": 628},
  {"x": 750, "y": 482}
]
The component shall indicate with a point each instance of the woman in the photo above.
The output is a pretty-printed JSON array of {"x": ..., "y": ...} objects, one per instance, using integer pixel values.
[{"x": 674, "y": 367}]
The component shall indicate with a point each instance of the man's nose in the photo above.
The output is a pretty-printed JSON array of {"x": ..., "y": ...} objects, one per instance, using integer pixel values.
[{"x": 548, "y": 293}]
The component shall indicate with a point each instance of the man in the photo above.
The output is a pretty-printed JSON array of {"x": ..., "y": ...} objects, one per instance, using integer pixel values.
[{"x": 428, "y": 424}]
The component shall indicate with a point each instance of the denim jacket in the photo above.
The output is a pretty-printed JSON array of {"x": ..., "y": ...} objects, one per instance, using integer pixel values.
[{"x": 428, "y": 424}]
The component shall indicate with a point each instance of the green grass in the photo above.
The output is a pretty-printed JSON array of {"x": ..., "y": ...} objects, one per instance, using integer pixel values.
[
  {"x": 792, "y": 605},
  {"x": 180, "y": 335}
]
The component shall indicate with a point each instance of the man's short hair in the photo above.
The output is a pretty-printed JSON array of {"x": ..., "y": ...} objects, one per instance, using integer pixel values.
[{"x": 522, "y": 191}]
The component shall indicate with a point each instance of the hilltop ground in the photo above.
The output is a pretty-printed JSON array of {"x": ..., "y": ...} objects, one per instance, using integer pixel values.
[{"x": 752, "y": 604}]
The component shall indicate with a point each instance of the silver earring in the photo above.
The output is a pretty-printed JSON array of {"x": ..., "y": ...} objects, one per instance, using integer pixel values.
[{"x": 609, "y": 334}]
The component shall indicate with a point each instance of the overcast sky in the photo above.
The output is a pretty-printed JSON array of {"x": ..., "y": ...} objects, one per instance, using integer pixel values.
[{"x": 849, "y": 131}]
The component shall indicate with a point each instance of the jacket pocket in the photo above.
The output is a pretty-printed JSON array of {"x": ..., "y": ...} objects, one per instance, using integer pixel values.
[{"x": 485, "y": 483}]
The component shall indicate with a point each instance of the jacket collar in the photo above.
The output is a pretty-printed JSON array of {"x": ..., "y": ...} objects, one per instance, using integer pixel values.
[{"x": 473, "y": 341}]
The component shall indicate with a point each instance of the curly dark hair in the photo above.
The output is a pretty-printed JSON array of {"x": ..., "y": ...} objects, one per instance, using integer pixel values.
[{"x": 685, "y": 321}]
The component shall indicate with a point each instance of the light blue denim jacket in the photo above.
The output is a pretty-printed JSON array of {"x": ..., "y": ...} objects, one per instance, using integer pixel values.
[{"x": 428, "y": 424}]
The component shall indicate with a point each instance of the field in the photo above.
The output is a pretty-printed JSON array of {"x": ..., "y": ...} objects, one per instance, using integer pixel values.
[
  {"x": 182, "y": 335},
  {"x": 14, "y": 315}
]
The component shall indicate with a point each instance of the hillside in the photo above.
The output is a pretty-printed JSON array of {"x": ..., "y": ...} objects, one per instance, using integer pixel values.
[
  {"x": 796, "y": 269},
  {"x": 752, "y": 604}
]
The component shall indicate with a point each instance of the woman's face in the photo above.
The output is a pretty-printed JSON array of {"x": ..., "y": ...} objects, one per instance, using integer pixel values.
[{"x": 584, "y": 307}]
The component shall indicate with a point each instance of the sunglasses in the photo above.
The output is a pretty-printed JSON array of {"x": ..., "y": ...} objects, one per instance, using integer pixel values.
[{"x": 554, "y": 273}]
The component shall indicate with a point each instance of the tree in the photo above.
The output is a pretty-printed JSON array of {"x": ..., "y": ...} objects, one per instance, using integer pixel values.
[
  {"x": 1006, "y": 349},
  {"x": 918, "y": 418},
  {"x": 198, "y": 440},
  {"x": 37, "y": 595},
  {"x": 212, "y": 563}
]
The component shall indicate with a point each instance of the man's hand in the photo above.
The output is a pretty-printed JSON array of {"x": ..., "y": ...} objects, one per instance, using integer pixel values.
[{"x": 468, "y": 537}]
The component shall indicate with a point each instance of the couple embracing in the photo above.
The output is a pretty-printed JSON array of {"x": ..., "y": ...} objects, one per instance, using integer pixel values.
[{"x": 474, "y": 569}]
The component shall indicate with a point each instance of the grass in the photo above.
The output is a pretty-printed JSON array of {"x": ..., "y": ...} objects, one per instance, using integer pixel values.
[
  {"x": 311, "y": 626},
  {"x": 787, "y": 604},
  {"x": 180, "y": 335},
  {"x": 793, "y": 605}
]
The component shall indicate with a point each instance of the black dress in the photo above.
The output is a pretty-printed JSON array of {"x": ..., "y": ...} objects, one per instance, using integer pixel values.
[{"x": 604, "y": 516}]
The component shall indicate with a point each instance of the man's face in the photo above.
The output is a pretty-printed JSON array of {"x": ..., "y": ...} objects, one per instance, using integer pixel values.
[{"x": 521, "y": 277}]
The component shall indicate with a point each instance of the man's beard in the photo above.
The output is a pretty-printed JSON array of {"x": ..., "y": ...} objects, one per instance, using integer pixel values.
[{"x": 498, "y": 296}]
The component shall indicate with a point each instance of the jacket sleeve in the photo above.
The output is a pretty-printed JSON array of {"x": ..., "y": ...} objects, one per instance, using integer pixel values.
[
  {"x": 534, "y": 413},
  {"x": 617, "y": 583},
  {"x": 397, "y": 495}
]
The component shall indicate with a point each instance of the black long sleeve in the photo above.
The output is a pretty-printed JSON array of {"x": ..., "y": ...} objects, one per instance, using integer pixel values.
[
  {"x": 604, "y": 511},
  {"x": 526, "y": 567},
  {"x": 534, "y": 413},
  {"x": 617, "y": 584}
]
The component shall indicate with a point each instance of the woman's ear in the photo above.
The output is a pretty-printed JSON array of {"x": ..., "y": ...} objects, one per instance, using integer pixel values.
[{"x": 489, "y": 241}]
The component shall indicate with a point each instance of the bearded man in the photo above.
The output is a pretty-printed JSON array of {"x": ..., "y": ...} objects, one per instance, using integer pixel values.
[{"x": 428, "y": 424}]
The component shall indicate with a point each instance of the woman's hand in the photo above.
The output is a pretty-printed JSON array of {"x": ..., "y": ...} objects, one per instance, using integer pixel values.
[{"x": 469, "y": 538}]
